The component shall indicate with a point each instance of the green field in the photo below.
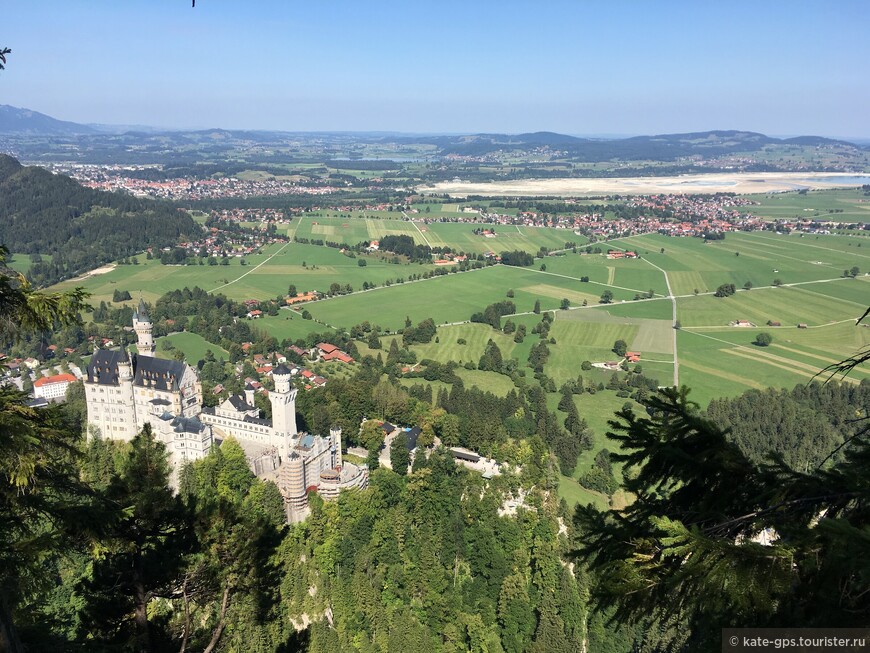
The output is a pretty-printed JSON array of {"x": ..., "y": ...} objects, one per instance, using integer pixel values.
[
  {"x": 574, "y": 493},
  {"x": 789, "y": 306},
  {"x": 288, "y": 324},
  {"x": 364, "y": 226},
  {"x": 815, "y": 205},
  {"x": 757, "y": 257},
  {"x": 455, "y": 297},
  {"x": 21, "y": 262},
  {"x": 724, "y": 362},
  {"x": 476, "y": 337},
  {"x": 194, "y": 347},
  {"x": 264, "y": 276}
]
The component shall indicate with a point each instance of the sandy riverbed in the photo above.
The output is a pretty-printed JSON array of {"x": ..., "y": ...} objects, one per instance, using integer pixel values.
[{"x": 737, "y": 182}]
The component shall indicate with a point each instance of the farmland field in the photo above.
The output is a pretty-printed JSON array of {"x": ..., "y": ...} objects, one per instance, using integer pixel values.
[
  {"x": 364, "y": 226},
  {"x": 789, "y": 306},
  {"x": 452, "y": 298},
  {"x": 846, "y": 205},
  {"x": 264, "y": 276},
  {"x": 758, "y": 257}
]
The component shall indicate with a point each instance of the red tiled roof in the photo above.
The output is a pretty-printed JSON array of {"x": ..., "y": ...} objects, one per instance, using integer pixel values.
[{"x": 57, "y": 378}]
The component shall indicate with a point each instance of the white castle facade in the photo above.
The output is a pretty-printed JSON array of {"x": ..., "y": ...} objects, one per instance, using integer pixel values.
[{"x": 125, "y": 392}]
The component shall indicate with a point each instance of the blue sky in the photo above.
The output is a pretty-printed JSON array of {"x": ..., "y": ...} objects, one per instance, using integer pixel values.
[{"x": 578, "y": 67}]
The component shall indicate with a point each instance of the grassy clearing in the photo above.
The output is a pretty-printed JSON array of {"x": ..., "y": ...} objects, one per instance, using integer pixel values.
[
  {"x": 194, "y": 347},
  {"x": 497, "y": 384},
  {"x": 574, "y": 493},
  {"x": 288, "y": 324},
  {"x": 21, "y": 262},
  {"x": 475, "y": 336},
  {"x": 597, "y": 410}
]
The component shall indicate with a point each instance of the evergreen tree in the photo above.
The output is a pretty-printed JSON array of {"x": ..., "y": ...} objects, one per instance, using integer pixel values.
[
  {"x": 400, "y": 457},
  {"x": 144, "y": 543},
  {"x": 491, "y": 360},
  {"x": 686, "y": 546}
]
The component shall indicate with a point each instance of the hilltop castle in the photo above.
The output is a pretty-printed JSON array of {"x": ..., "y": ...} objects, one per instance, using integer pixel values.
[{"x": 124, "y": 392}]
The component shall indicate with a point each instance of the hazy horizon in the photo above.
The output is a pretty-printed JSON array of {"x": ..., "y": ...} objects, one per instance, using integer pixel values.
[{"x": 445, "y": 68}]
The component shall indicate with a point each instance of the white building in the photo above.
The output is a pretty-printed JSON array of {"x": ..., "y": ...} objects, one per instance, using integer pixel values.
[{"x": 52, "y": 387}]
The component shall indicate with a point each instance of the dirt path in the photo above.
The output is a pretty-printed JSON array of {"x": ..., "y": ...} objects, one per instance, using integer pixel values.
[
  {"x": 674, "y": 321},
  {"x": 253, "y": 269}
]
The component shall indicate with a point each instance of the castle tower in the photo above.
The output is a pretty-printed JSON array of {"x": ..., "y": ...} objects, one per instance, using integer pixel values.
[
  {"x": 335, "y": 446},
  {"x": 283, "y": 399},
  {"x": 249, "y": 394},
  {"x": 142, "y": 327},
  {"x": 291, "y": 482}
]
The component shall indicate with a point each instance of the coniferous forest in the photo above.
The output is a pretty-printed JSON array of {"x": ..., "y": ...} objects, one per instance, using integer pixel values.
[{"x": 78, "y": 227}]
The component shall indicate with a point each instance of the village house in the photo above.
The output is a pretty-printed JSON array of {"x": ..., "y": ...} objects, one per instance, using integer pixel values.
[
  {"x": 52, "y": 387},
  {"x": 329, "y": 352}
]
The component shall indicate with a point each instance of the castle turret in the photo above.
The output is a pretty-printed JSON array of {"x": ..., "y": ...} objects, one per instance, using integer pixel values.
[
  {"x": 125, "y": 368},
  {"x": 249, "y": 394},
  {"x": 142, "y": 327},
  {"x": 283, "y": 399}
]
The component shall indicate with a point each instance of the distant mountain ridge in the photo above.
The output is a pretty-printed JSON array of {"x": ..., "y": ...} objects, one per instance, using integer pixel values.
[
  {"x": 18, "y": 120},
  {"x": 39, "y": 137},
  {"x": 14, "y": 120}
]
